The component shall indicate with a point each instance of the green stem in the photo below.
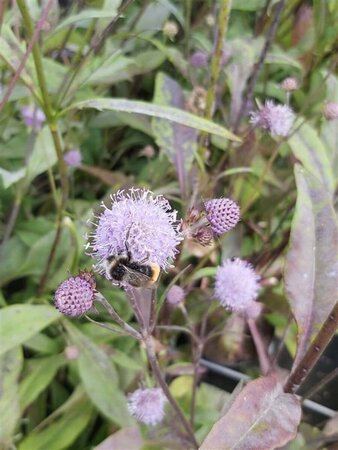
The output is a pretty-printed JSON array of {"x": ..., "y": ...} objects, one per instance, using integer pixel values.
[
  {"x": 223, "y": 21},
  {"x": 149, "y": 344},
  {"x": 52, "y": 123}
]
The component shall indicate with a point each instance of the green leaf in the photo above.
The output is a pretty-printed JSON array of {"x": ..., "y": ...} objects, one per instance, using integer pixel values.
[
  {"x": 20, "y": 322},
  {"x": 99, "y": 378},
  {"x": 124, "y": 360},
  {"x": 311, "y": 272},
  {"x": 9, "y": 178},
  {"x": 15, "y": 252},
  {"x": 61, "y": 428},
  {"x": 12, "y": 53},
  {"x": 43, "y": 156},
  {"x": 86, "y": 15},
  {"x": 311, "y": 152},
  {"x": 10, "y": 368},
  {"x": 149, "y": 109},
  {"x": 244, "y": 5},
  {"x": 41, "y": 375}
]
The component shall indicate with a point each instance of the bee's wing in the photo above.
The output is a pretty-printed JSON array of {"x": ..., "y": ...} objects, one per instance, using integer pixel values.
[{"x": 136, "y": 278}]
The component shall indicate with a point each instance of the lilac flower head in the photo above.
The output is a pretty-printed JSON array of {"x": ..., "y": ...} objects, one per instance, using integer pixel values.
[
  {"x": 277, "y": 119},
  {"x": 236, "y": 285},
  {"x": 73, "y": 158},
  {"x": 290, "y": 84},
  {"x": 199, "y": 59},
  {"x": 175, "y": 295},
  {"x": 33, "y": 117},
  {"x": 75, "y": 295},
  {"x": 139, "y": 222},
  {"x": 222, "y": 213},
  {"x": 147, "y": 405},
  {"x": 331, "y": 111}
]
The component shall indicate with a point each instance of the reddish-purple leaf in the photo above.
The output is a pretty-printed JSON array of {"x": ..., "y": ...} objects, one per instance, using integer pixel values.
[
  {"x": 178, "y": 142},
  {"x": 262, "y": 417},
  {"x": 127, "y": 438},
  {"x": 311, "y": 275}
]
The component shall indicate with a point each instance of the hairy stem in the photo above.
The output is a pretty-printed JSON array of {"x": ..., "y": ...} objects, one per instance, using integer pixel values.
[
  {"x": 127, "y": 328},
  {"x": 33, "y": 39},
  {"x": 148, "y": 342},
  {"x": 314, "y": 352},
  {"x": 263, "y": 357},
  {"x": 52, "y": 123}
]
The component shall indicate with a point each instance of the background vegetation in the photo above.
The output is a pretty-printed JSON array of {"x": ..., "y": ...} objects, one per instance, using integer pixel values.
[{"x": 107, "y": 74}]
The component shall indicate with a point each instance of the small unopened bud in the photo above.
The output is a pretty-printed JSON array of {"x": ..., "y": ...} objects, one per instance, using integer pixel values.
[
  {"x": 72, "y": 352},
  {"x": 289, "y": 84},
  {"x": 170, "y": 29},
  {"x": 197, "y": 100},
  {"x": 148, "y": 151},
  {"x": 75, "y": 295},
  {"x": 210, "y": 20},
  {"x": 199, "y": 59},
  {"x": 33, "y": 117},
  {"x": 175, "y": 295},
  {"x": 331, "y": 111},
  {"x": 73, "y": 158}
]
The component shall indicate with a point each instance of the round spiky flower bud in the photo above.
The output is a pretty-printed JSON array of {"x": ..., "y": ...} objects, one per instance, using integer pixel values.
[
  {"x": 277, "y": 119},
  {"x": 75, "y": 295},
  {"x": 170, "y": 29},
  {"x": 222, "y": 213},
  {"x": 147, "y": 405},
  {"x": 331, "y": 111},
  {"x": 289, "y": 84},
  {"x": 73, "y": 158},
  {"x": 33, "y": 117},
  {"x": 236, "y": 285},
  {"x": 139, "y": 223},
  {"x": 175, "y": 295},
  {"x": 199, "y": 59}
]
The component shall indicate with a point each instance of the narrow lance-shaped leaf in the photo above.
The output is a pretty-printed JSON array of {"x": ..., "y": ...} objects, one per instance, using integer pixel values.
[
  {"x": 311, "y": 152},
  {"x": 178, "y": 142},
  {"x": 99, "y": 378},
  {"x": 311, "y": 275},
  {"x": 149, "y": 109},
  {"x": 10, "y": 368},
  {"x": 261, "y": 417},
  {"x": 59, "y": 430},
  {"x": 21, "y": 322}
]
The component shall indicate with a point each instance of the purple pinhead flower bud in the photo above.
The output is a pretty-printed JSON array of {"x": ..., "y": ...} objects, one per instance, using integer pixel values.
[
  {"x": 222, "y": 213},
  {"x": 75, "y": 295},
  {"x": 175, "y": 295},
  {"x": 199, "y": 59},
  {"x": 236, "y": 285},
  {"x": 277, "y": 119},
  {"x": 289, "y": 84},
  {"x": 73, "y": 158},
  {"x": 138, "y": 225},
  {"x": 331, "y": 111},
  {"x": 147, "y": 405},
  {"x": 33, "y": 117}
]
